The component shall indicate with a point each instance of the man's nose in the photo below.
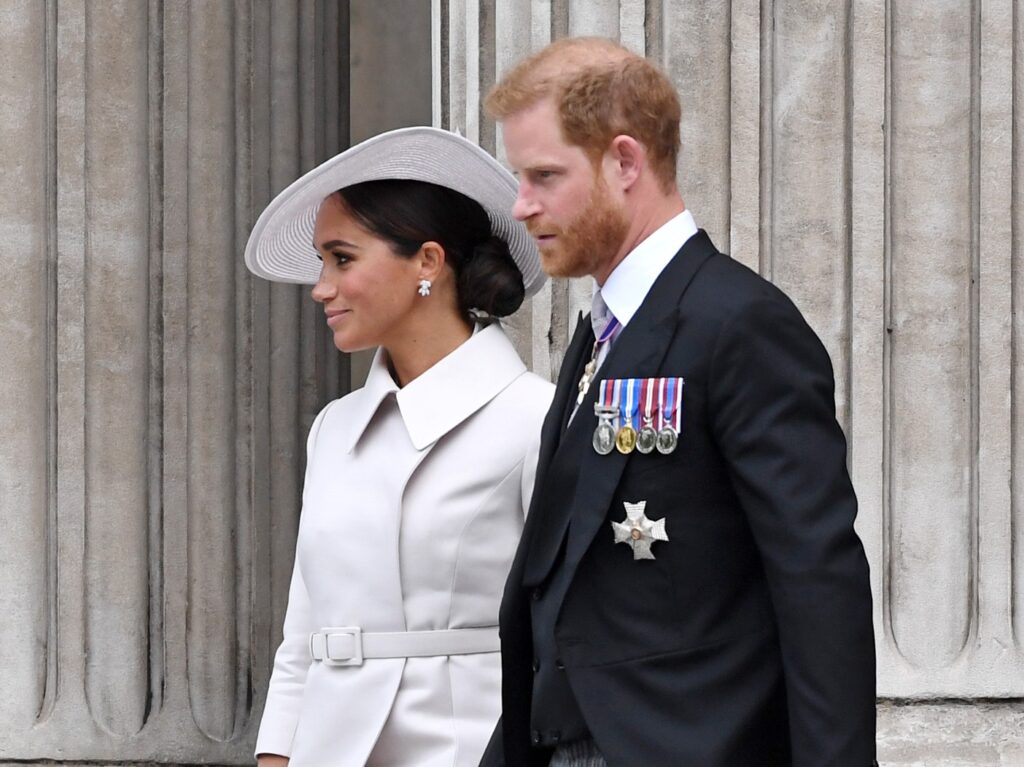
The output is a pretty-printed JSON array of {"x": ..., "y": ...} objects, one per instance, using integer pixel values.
[{"x": 525, "y": 206}]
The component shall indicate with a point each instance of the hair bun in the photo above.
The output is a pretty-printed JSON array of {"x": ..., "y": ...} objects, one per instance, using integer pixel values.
[{"x": 490, "y": 281}]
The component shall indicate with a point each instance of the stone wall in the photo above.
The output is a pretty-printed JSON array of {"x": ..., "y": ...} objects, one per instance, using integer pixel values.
[{"x": 154, "y": 398}]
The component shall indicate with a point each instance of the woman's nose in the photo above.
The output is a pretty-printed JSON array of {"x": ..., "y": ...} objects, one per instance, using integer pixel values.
[{"x": 323, "y": 291}]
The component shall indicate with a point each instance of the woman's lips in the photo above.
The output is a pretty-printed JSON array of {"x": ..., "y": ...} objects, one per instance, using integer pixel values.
[{"x": 334, "y": 316}]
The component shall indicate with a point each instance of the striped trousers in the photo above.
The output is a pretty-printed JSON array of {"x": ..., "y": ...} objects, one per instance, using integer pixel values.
[{"x": 582, "y": 753}]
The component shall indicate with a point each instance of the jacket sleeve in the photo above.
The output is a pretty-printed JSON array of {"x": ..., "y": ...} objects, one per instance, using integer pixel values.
[
  {"x": 291, "y": 662},
  {"x": 530, "y": 472},
  {"x": 773, "y": 417}
]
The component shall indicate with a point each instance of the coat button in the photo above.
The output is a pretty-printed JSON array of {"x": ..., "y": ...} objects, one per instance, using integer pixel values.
[
  {"x": 536, "y": 665},
  {"x": 537, "y": 593},
  {"x": 535, "y": 737},
  {"x": 559, "y": 665}
]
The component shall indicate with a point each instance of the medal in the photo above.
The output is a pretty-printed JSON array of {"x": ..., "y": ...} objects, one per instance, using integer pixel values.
[
  {"x": 625, "y": 440},
  {"x": 670, "y": 399},
  {"x": 647, "y": 437},
  {"x": 667, "y": 440},
  {"x": 604, "y": 434},
  {"x": 588, "y": 376},
  {"x": 639, "y": 532},
  {"x": 606, "y": 409}
]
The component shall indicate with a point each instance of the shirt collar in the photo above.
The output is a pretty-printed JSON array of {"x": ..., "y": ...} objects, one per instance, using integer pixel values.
[
  {"x": 628, "y": 284},
  {"x": 445, "y": 395}
]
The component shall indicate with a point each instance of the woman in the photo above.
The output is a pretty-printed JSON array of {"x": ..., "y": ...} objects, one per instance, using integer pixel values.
[{"x": 417, "y": 484}]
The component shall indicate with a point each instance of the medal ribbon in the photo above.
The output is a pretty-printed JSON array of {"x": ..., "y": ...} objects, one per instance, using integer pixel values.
[
  {"x": 608, "y": 331},
  {"x": 631, "y": 406},
  {"x": 617, "y": 402},
  {"x": 670, "y": 403},
  {"x": 662, "y": 398},
  {"x": 607, "y": 393},
  {"x": 678, "y": 409},
  {"x": 648, "y": 401},
  {"x": 670, "y": 416}
]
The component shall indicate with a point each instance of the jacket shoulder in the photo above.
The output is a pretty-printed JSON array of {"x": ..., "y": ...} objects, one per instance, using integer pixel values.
[
  {"x": 529, "y": 395},
  {"x": 725, "y": 288}
]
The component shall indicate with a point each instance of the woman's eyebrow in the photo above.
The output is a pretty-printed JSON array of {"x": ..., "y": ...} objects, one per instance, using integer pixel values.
[{"x": 331, "y": 244}]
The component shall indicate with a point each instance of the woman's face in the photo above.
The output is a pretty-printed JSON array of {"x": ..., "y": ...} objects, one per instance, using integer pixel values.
[{"x": 369, "y": 293}]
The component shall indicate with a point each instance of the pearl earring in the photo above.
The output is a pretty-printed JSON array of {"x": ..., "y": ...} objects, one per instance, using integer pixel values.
[{"x": 424, "y": 289}]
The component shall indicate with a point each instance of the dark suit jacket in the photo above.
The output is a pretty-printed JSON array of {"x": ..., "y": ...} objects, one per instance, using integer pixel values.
[{"x": 747, "y": 642}]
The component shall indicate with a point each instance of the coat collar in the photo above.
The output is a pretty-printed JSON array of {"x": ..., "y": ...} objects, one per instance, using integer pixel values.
[{"x": 445, "y": 395}]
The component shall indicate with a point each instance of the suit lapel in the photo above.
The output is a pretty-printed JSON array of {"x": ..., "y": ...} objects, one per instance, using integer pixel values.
[
  {"x": 569, "y": 374},
  {"x": 554, "y": 421},
  {"x": 637, "y": 353}
]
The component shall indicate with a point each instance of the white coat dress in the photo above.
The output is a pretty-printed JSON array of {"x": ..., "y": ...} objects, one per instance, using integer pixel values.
[{"x": 413, "y": 504}]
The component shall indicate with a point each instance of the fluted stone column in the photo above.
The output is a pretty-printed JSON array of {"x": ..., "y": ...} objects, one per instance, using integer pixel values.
[
  {"x": 153, "y": 397},
  {"x": 866, "y": 157}
]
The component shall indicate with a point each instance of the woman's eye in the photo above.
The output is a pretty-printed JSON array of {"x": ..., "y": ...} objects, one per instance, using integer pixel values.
[{"x": 341, "y": 258}]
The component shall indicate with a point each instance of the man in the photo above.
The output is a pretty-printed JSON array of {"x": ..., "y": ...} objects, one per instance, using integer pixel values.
[{"x": 689, "y": 589}]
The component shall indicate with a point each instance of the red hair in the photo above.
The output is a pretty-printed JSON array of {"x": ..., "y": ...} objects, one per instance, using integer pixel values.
[{"x": 601, "y": 91}]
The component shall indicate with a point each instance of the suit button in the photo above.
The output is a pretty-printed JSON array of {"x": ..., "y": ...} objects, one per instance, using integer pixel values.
[
  {"x": 559, "y": 665},
  {"x": 535, "y": 737},
  {"x": 536, "y": 665},
  {"x": 537, "y": 593},
  {"x": 555, "y": 737}
]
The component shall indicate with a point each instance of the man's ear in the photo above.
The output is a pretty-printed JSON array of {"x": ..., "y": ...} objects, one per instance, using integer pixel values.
[
  {"x": 432, "y": 259},
  {"x": 629, "y": 159}
]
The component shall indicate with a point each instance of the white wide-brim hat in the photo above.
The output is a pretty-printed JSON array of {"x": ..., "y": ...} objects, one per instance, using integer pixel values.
[{"x": 281, "y": 248}]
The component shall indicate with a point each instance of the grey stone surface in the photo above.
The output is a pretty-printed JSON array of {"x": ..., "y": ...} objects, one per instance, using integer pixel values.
[
  {"x": 951, "y": 734},
  {"x": 154, "y": 397},
  {"x": 26, "y": 341}
]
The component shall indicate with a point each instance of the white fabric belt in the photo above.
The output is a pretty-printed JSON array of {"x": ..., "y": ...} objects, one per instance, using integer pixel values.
[{"x": 349, "y": 645}]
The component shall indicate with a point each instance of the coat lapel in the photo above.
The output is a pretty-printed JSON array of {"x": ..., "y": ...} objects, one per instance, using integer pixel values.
[{"x": 637, "y": 353}]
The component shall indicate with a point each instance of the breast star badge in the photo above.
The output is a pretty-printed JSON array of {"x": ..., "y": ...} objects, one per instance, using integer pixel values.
[{"x": 639, "y": 531}]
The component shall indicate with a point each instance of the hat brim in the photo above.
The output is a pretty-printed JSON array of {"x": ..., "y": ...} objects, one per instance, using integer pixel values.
[{"x": 281, "y": 249}]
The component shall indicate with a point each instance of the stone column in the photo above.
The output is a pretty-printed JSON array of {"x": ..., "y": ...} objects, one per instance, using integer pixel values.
[
  {"x": 866, "y": 157},
  {"x": 154, "y": 397}
]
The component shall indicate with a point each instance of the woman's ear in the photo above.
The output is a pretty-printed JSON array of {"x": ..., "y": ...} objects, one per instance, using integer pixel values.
[{"x": 432, "y": 259}]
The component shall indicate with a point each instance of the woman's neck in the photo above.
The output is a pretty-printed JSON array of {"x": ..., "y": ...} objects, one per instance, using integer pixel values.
[{"x": 415, "y": 353}]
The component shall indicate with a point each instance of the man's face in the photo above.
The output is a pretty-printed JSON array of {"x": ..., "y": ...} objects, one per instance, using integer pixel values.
[{"x": 563, "y": 200}]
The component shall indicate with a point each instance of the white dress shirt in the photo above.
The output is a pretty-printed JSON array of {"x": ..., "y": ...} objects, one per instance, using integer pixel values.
[{"x": 630, "y": 282}]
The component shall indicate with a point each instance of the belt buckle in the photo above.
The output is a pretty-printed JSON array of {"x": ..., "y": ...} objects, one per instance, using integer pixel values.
[{"x": 355, "y": 658}]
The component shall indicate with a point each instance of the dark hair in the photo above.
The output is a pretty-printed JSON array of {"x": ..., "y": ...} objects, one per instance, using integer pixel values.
[{"x": 410, "y": 213}]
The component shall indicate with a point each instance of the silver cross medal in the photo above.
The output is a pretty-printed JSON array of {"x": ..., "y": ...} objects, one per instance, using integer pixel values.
[{"x": 639, "y": 531}]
